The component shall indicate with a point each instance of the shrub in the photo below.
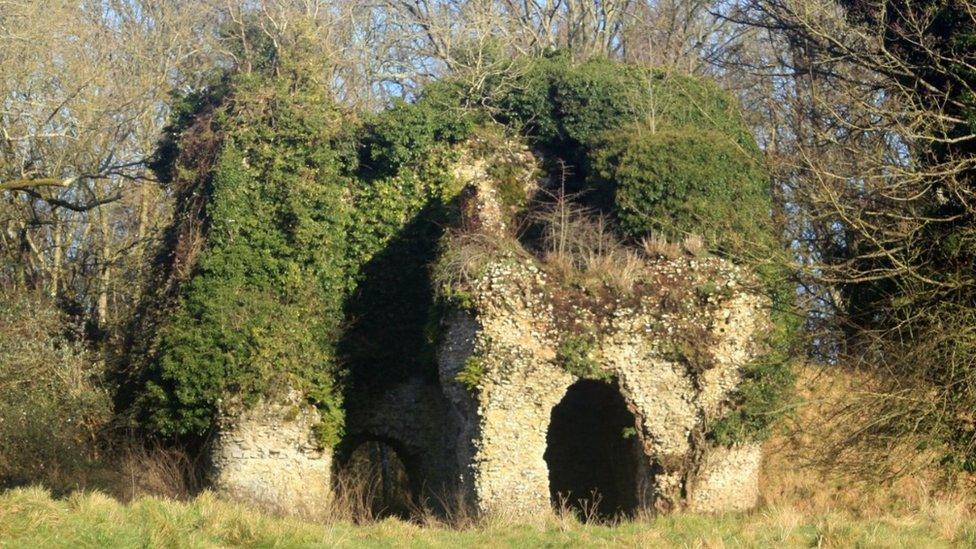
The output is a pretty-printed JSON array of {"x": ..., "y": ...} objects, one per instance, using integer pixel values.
[
  {"x": 575, "y": 355},
  {"x": 473, "y": 372},
  {"x": 683, "y": 181},
  {"x": 565, "y": 107},
  {"x": 54, "y": 403},
  {"x": 406, "y": 134}
]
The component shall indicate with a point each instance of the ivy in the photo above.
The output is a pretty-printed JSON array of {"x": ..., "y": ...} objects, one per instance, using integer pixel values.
[{"x": 259, "y": 305}]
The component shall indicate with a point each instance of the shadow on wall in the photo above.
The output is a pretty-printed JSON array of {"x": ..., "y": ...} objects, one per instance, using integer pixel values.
[
  {"x": 388, "y": 338},
  {"x": 595, "y": 459}
]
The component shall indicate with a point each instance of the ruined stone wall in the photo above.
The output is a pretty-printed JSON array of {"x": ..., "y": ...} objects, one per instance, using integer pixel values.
[
  {"x": 674, "y": 348},
  {"x": 503, "y": 438},
  {"x": 514, "y": 334},
  {"x": 414, "y": 418},
  {"x": 728, "y": 479},
  {"x": 265, "y": 455}
]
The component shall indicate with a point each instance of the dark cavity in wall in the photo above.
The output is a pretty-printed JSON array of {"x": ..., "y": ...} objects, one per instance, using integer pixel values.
[
  {"x": 593, "y": 453},
  {"x": 376, "y": 478}
]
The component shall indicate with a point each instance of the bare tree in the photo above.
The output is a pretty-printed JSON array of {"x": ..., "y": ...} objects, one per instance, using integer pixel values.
[
  {"x": 85, "y": 90},
  {"x": 860, "y": 106}
]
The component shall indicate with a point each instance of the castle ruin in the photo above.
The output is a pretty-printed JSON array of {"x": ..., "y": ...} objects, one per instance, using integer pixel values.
[{"x": 547, "y": 394}]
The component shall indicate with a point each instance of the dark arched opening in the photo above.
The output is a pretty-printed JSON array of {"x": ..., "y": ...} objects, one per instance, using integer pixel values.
[
  {"x": 374, "y": 480},
  {"x": 593, "y": 452}
]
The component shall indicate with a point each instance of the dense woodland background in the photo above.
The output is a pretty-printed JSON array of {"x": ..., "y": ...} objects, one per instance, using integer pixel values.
[{"x": 863, "y": 110}]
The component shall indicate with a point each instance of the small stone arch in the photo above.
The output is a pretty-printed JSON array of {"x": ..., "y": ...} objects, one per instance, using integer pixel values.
[
  {"x": 594, "y": 454},
  {"x": 380, "y": 471}
]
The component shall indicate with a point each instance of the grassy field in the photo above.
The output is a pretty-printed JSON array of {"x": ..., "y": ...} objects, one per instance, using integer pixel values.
[
  {"x": 804, "y": 507},
  {"x": 31, "y": 518}
]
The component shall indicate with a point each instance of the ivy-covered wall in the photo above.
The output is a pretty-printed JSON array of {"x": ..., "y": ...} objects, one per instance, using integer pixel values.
[
  {"x": 303, "y": 239},
  {"x": 298, "y": 252},
  {"x": 253, "y": 273}
]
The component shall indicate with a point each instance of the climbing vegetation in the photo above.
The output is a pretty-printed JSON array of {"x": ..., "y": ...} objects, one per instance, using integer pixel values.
[
  {"x": 682, "y": 181},
  {"x": 256, "y": 274},
  {"x": 304, "y": 241},
  {"x": 298, "y": 252}
]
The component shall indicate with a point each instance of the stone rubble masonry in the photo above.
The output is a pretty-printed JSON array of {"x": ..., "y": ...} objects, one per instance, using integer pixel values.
[
  {"x": 515, "y": 332},
  {"x": 414, "y": 419},
  {"x": 516, "y": 320},
  {"x": 728, "y": 479},
  {"x": 265, "y": 455}
]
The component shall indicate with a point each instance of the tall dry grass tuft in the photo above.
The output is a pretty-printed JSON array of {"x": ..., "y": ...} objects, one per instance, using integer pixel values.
[
  {"x": 574, "y": 244},
  {"x": 449, "y": 510},
  {"x": 153, "y": 470},
  {"x": 578, "y": 246},
  {"x": 354, "y": 498},
  {"x": 465, "y": 255},
  {"x": 657, "y": 246}
]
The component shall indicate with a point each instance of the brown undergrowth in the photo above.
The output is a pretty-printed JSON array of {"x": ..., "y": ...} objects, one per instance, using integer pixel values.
[{"x": 810, "y": 466}]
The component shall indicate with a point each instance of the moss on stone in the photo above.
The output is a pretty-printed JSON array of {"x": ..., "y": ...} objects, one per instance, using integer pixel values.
[{"x": 575, "y": 355}]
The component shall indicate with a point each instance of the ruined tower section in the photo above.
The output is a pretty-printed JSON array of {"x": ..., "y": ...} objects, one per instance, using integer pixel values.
[
  {"x": 531, "y": 361},
  {"x": 266, "y": 455}
]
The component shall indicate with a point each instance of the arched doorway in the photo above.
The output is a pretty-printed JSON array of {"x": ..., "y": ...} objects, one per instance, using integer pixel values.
[
  {"x": 593, "y": 453},
  {"x": 375, "y": 477}
]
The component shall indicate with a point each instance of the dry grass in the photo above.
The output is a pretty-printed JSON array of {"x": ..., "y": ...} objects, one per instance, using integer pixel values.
[
  {"x": 574, "y": 245},
  {"x": 158, "y": 471},
  {"x": 580, "y": 248},
  {"x": 657, "y": 246},
  {"x": 694, "y": 244},
  {"x": 806, "y": 504},
  {"x": 467, "y": 254},
  {"x": 31, "y": 518},
  {"x": 802, "y": 470}
]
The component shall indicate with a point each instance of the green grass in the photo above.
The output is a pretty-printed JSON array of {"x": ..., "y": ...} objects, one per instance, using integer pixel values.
[{"x": 31, "y": 518}]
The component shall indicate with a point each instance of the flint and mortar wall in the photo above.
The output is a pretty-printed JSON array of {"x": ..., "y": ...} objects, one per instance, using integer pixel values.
[
  {"x": 490, "y": 443},
  {"x": 728, "y": 480},
  {"x": 415, "y": 419},
  {"x": 514, "y": 332}
]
